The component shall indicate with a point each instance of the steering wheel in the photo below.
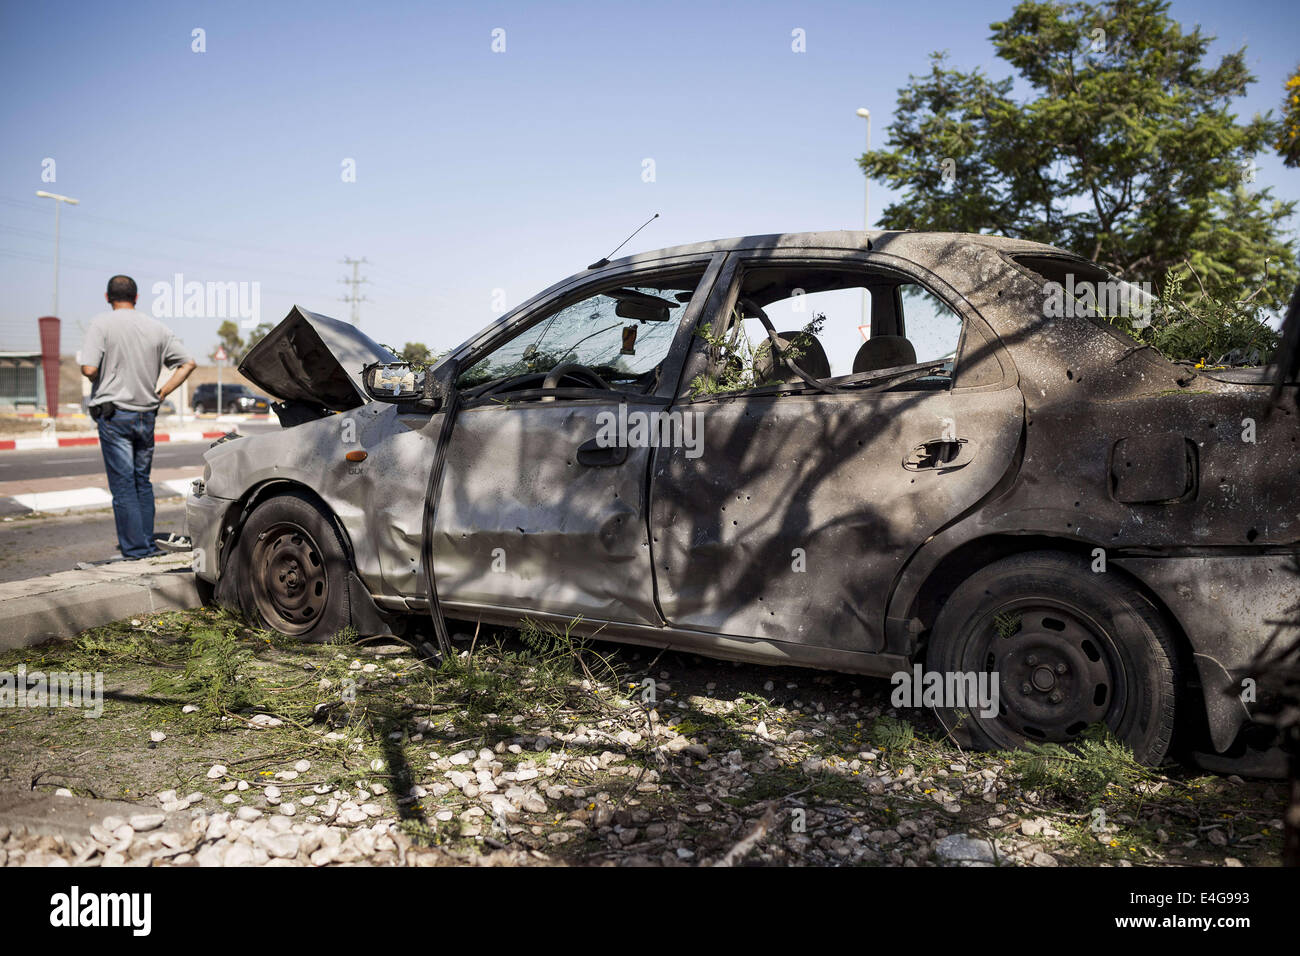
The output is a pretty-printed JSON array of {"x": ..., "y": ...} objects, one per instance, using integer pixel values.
[{"x": 574, "y": 370}]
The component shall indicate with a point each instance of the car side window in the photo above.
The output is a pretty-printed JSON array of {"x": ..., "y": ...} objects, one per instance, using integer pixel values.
[
  {"x": 839, "y": 318},
  {"x": 834, "y": 323},
  {"x": 928, "y": 322},
  {"x": 623, "y": 333}
]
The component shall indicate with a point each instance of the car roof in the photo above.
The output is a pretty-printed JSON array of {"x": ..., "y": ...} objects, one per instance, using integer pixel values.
[{"x": 900, "y": 241}]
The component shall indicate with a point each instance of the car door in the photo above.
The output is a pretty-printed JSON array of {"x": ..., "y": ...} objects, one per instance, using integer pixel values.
[
  {"x": 794, "y": 521},
  {"x": 543, "y": 503}
]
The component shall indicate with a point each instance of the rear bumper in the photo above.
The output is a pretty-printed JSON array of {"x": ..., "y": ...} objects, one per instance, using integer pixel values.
[{"x": 1229, "y": 606}]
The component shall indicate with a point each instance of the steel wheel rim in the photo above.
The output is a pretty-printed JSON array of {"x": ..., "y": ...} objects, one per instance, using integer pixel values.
[
  {"x": 290, "y": 585},
  {"x": 1058, "y": 672}
]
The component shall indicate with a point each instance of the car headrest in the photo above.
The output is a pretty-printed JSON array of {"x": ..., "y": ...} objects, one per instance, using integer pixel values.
[
  {"x": 809, "y": 356},
  {"x": 884, "y": 351}
]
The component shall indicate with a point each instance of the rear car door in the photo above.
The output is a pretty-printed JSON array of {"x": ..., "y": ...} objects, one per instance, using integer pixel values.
[
  {"x": 542, "y": 506},
  {"x": 795, "y": 520}
]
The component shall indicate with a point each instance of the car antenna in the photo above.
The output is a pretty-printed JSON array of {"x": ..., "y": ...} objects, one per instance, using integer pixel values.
[{"x": 605, "y": 261}]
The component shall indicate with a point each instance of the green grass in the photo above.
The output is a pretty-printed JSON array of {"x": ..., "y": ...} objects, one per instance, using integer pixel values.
[{"x": 545, "y": 679}]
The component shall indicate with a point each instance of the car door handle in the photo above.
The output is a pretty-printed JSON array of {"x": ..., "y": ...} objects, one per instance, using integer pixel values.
[
  {"x": 601, "y": 456},
  {"x": 940, "y": 454}
]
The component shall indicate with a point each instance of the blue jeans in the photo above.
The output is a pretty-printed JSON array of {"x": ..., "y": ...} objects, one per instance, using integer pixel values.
[{"x": 127, "y": 442}]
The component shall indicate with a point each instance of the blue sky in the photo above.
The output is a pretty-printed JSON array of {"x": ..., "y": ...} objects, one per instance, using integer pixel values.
[{"x": 475, "y": 171}]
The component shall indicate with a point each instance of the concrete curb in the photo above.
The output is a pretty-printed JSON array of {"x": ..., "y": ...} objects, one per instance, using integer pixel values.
[
  {"x": 62, "y": 605},
  {"x": 78, "y": 441},
  {"x": 81, "y": 499}
]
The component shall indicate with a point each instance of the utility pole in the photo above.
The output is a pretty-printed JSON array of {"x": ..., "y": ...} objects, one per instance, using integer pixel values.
[
  {"x": 58, "y": 204},
  {"x": 355, "y": 282}
]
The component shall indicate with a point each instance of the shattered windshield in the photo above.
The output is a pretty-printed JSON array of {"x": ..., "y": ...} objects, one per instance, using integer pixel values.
[{"x": 623, "y": 334}]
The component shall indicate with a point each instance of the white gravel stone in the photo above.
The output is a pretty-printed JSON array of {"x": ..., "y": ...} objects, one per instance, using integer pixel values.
[
  {"x": 963, "y": 850},
  {"x": 237, "y": 855}
]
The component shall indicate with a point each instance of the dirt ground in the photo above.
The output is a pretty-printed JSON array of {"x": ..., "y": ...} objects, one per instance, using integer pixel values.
[{"x": 532, "y": 747}]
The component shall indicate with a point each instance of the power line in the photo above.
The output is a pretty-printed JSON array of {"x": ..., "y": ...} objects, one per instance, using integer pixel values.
[
  {"x": 422, "y": 285},
  {"x": 353, "y": 298}
]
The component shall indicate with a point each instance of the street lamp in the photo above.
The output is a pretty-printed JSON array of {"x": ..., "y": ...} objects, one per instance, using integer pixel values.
[
  {"x": 866, "y": 199},
  {"x": 58, "y": 204}
]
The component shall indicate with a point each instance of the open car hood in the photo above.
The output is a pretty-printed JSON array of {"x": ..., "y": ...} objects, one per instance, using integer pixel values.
[{"x": 314, "y": 359}]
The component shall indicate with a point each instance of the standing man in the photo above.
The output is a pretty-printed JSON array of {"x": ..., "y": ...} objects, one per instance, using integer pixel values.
[{"x": 125, "y": 352}]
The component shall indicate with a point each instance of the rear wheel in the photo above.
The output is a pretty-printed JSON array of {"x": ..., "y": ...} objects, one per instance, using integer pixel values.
[
  {"x": 293, "y": 570},
  {"x": 200, "y": 408},
  {"x": 1070, "y": 648}
]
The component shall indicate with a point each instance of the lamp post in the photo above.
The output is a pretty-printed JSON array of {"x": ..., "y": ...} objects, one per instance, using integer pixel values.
[
  {"x": 58, "y": 205},
  {"x": 866, "y": 199}
]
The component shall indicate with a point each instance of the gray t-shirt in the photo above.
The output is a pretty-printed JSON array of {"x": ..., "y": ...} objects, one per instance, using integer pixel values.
[{"x": 130, "y": 349}]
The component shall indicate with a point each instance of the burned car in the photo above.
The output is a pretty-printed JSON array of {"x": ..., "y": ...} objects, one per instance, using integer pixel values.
[{"x": 867, "y": 452}]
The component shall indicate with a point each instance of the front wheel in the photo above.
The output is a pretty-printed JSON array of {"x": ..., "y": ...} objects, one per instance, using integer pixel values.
[
  {"x": 293, "y": 570},
  {"x": 199, "y": 408},
  {"x": 1069, "y": 648}
]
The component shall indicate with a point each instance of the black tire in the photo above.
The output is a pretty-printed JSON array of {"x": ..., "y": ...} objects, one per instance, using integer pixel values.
[
  {"x": 199, "y": 408},
  {"x": 292, "y": 570},
  {"x": 1070, "y": 647}
]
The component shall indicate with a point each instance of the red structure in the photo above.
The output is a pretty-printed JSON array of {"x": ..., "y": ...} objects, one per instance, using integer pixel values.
[{"x": 50, "y": 363}]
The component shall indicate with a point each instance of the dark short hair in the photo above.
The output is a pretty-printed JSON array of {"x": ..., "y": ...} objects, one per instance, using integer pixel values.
[{"x": 122, "y": 289}]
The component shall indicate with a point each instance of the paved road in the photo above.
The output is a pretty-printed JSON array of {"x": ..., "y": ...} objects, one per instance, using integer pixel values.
[
  {"x": 60, "y": 462},
  {"x": 35, "y": 546},
  {"x": 31, "y": 546}
]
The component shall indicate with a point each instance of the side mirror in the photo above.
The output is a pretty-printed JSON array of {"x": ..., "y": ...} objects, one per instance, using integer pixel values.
[
  {"x": 439, "y": 384},
  {"x": 394, "y": 382}
]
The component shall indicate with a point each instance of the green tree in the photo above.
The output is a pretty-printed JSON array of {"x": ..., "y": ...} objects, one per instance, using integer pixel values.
[
  {"x": 228, "y": 337},
  {"x": 1123, "y": 149},
  {"x": 255, "y": 336},
  {"x": 1288, "y": 135},
  {"x": 415, "y": 353}
]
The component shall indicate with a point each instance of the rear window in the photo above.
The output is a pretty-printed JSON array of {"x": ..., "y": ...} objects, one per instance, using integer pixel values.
[{"x": 1077, "y": 287}]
